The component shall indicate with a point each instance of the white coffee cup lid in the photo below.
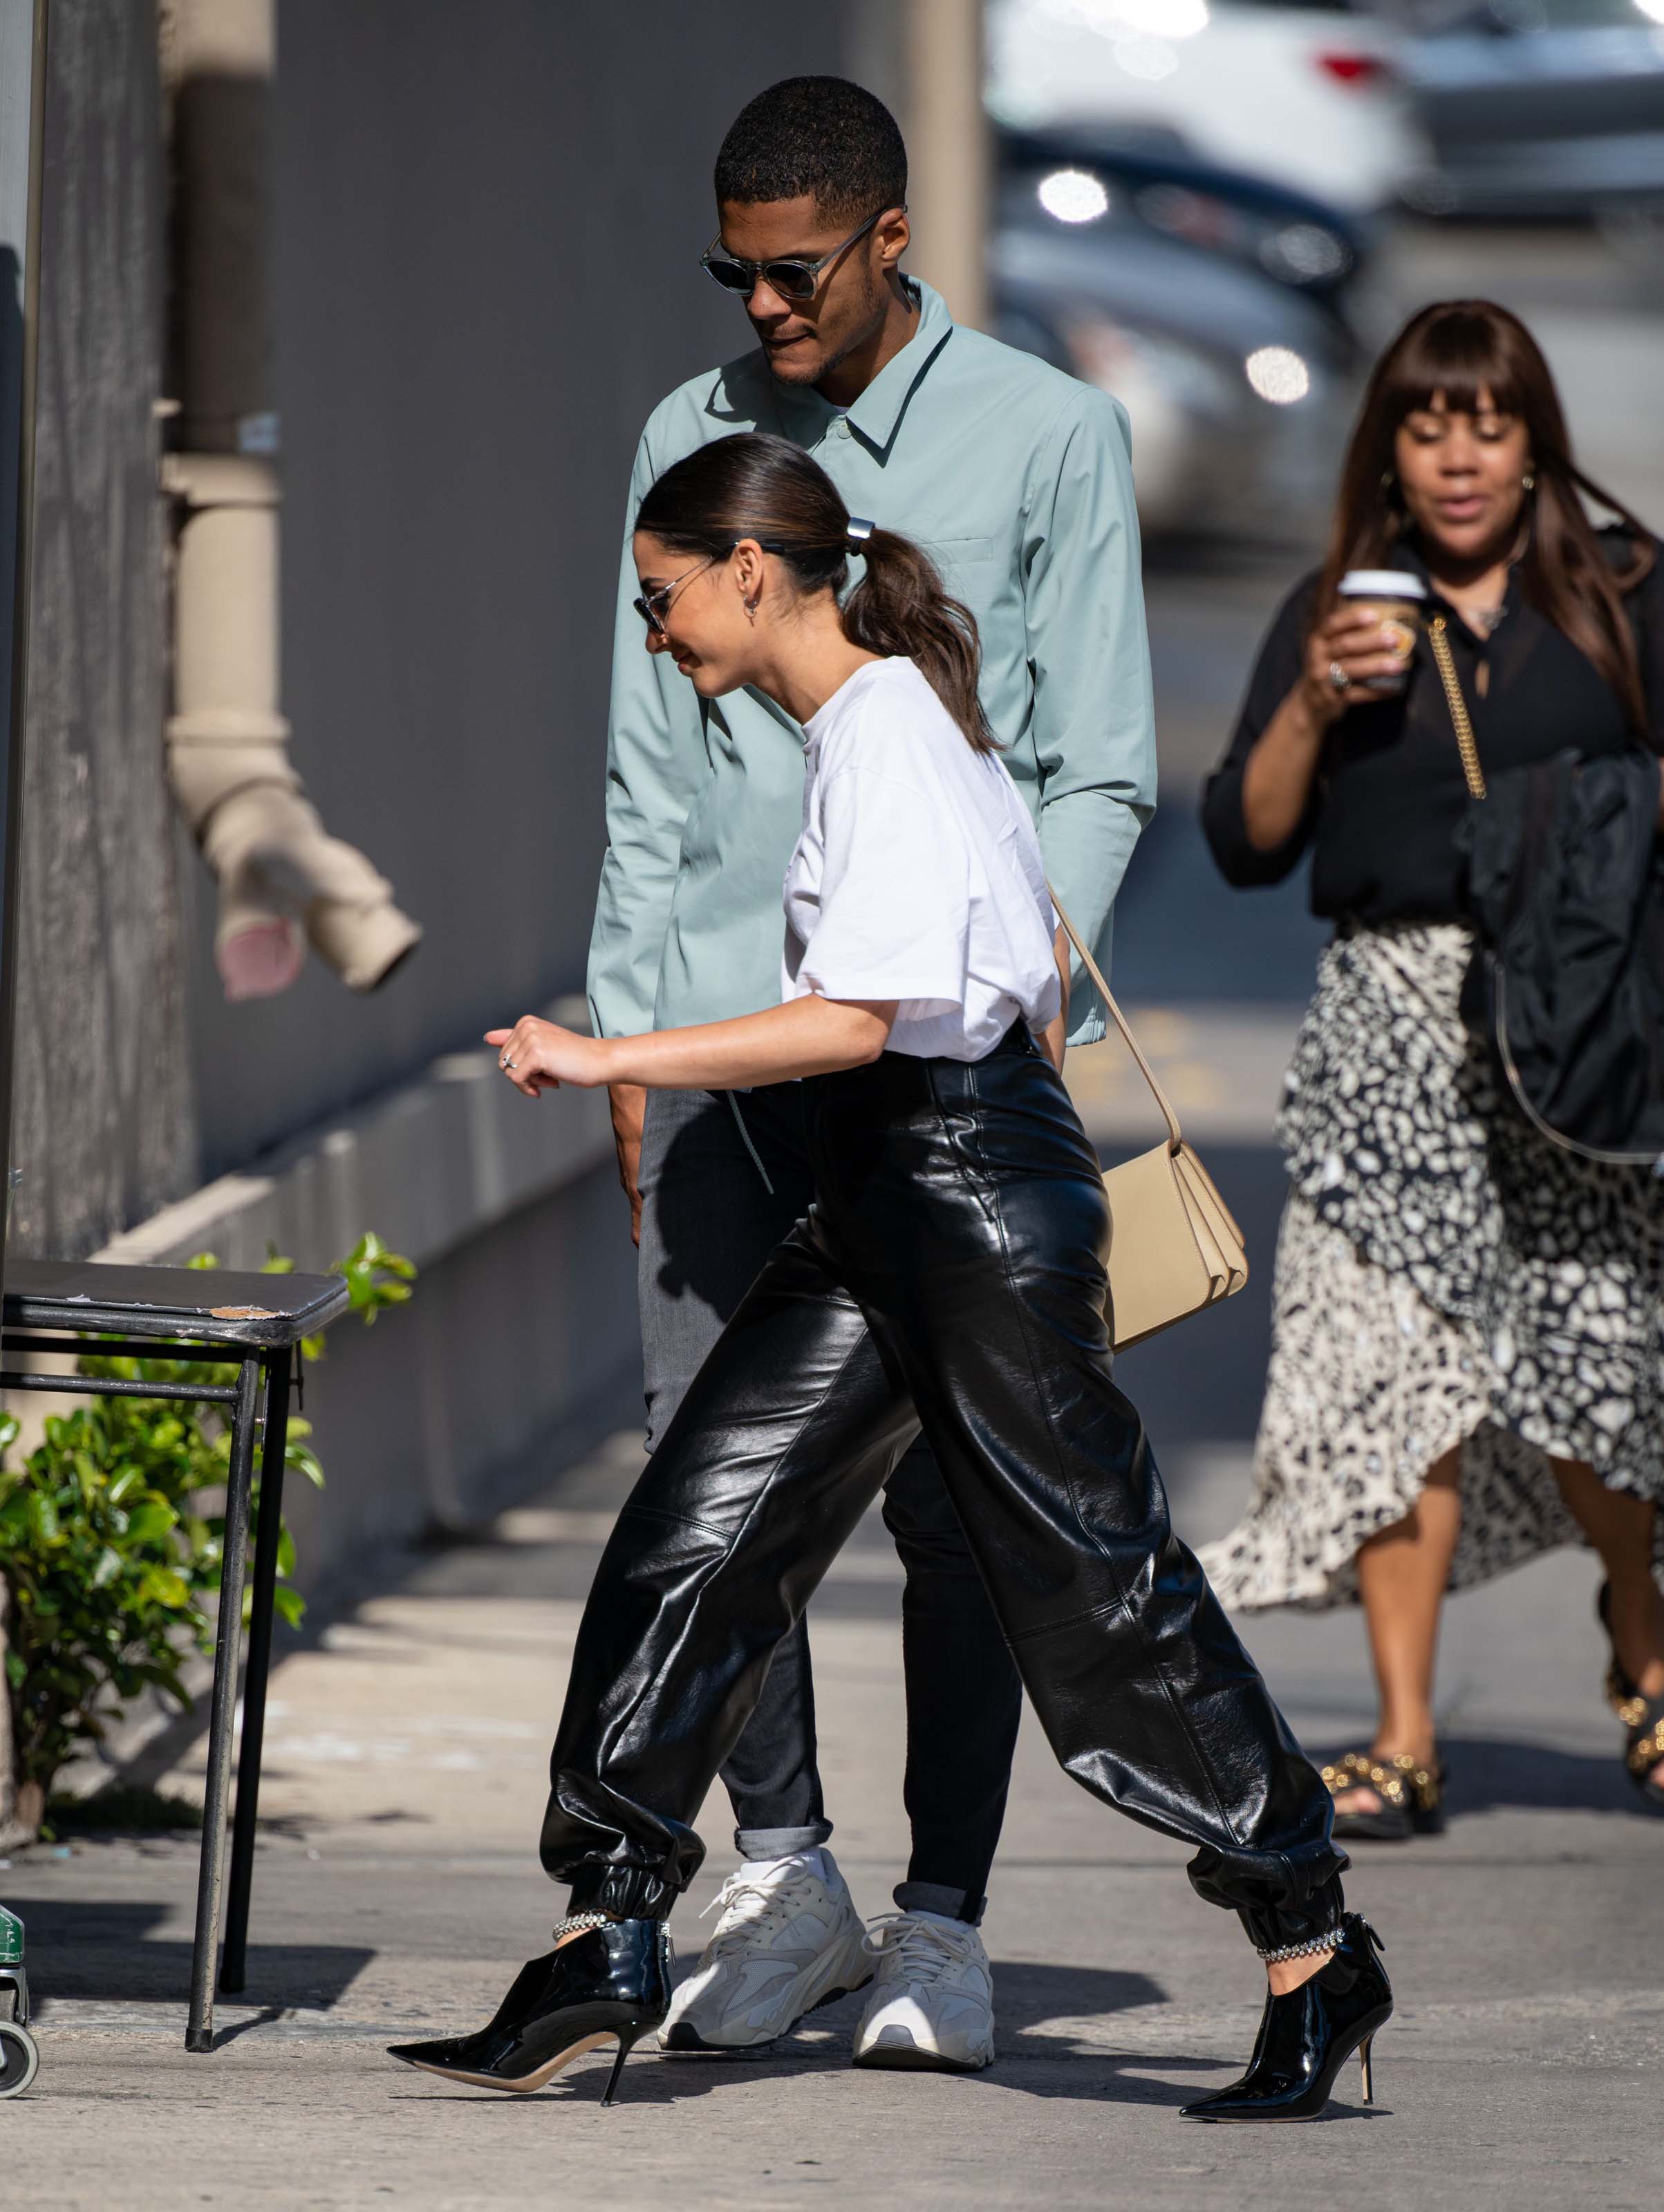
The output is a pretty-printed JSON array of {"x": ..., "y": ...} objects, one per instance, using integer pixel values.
[{"x": 1381, "y": 583}]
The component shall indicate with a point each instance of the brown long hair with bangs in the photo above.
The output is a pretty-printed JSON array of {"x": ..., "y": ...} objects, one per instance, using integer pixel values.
[{"x": 1457, "y": 349}]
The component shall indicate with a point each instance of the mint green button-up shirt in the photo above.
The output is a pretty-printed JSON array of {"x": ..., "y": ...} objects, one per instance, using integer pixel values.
[{"x": 1017, "y": 479}]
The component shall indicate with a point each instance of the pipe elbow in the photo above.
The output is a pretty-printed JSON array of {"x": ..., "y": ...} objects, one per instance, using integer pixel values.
[{"x": 284, "y": 882}]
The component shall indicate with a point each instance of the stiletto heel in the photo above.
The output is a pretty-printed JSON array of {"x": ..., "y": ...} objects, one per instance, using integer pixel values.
[
  {"x": 1307, "y": 2034},
  {"x": 612, "y": 1983},
  {"x": 627, "y": 2039}
]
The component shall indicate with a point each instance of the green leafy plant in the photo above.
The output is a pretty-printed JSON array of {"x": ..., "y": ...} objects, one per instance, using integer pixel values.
[
  {"x": 376, "y": 1278},
  {"x": 107, "y": 1552}
]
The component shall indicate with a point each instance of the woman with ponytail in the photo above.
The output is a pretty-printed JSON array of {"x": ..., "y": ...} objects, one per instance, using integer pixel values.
[{"x": 950, "y": 1273}]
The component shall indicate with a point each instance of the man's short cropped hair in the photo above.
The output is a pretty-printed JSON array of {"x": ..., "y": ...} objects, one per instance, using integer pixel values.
[{"x": 819, "y": 135}]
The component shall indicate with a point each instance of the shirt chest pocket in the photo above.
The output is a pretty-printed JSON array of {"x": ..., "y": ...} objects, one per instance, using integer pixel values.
[
  {"x": 967, "y": 569},
  {"x": 964, "y": 563}
]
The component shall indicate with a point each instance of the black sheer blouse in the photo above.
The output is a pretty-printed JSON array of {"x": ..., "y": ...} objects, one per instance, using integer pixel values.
[{"x": 1389, "y": 790}]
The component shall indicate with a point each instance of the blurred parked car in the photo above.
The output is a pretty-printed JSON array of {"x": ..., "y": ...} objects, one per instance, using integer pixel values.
[
  {"x": 1539, "y": 107},
  {"x": 1239, "y": 377},
  {"x": 1307, "y": 95},
  {"x": 1282, "y": 233}
]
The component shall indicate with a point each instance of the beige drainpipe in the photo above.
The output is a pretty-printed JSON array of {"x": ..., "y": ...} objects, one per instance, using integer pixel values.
[{"x": 282, "y": 879}]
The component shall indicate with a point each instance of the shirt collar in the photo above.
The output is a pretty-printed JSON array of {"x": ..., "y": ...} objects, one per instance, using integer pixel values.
[{"x": 877, "y": 414}]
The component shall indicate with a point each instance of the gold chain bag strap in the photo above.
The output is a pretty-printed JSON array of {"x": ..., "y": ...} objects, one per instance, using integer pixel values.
[
  {"x": 1173, "y": 1247},
  {"x": 1444, "y": 661}
]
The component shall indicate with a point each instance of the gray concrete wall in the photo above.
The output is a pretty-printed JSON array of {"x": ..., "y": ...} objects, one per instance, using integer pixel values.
[
  {"x": 489, "y": 220},
  {"x": 500, "y": 1369}
]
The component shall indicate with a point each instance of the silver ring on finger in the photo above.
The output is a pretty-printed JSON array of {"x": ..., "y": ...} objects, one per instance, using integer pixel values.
[
  {"x": 1338, "y": 676},
  {"x": 507, "y": 1063}
]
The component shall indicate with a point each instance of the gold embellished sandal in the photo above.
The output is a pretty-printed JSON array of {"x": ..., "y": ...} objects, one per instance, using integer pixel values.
[
  {"x": 1642, "y": 1717},
  {"x": 1411, "y": 1797}
]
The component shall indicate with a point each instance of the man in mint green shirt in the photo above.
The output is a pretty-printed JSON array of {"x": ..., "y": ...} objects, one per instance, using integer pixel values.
[{"x": 1017, "y": 479}]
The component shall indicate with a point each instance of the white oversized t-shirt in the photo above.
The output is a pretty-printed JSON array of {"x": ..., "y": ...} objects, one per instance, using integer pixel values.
[{"x": 918, "y": 875}]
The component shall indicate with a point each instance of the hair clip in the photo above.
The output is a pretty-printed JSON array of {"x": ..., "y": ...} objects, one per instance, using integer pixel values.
[{"x": 857, "y": 530}]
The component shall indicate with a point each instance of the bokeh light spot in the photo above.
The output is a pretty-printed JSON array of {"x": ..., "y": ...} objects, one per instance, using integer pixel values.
[
  {"x": 1073, "y": 195},
  {"x": 1279, "y": 374}
]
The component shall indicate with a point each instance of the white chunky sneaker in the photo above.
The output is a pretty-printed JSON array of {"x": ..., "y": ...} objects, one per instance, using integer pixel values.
[
  {"x": 931, "y": 2008},
  {"x": 789, "y": 1938}
]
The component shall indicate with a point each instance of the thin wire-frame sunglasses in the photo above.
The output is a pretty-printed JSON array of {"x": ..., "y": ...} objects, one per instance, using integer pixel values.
[
  {"x": 653, "y": 606},
  {"x": 793, "y": 279}
]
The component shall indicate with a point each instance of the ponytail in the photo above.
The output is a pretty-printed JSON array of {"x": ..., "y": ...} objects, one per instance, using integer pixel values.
[
  {"x": 900, "y": 607},
  {"x": 752, "y": 485}
]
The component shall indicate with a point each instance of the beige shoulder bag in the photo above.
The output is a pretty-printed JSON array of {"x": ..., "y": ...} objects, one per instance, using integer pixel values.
[{"x": 1173, "y": 1247}]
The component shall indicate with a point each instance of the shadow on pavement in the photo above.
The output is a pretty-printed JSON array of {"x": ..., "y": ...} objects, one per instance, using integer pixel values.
[
  {"x": 89, "y": 1949},
  {"x": 1032, "y": 1996},
  {"x": 664, "y": 2084},
  {"x": 1044, "y": 2014}
]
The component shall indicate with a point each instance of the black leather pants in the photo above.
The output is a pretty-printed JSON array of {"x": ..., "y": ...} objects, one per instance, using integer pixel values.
[{"x": 950, "y": 1272}]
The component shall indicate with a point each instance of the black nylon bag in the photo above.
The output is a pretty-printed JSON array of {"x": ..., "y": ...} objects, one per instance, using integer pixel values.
[{"x": 1565, "y": 887}]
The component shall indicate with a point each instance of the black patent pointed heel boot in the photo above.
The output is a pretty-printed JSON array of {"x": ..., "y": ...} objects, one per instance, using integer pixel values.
[
  {"x": 610, "y": 1982},
  {"x": 1307, "y": 2034}
]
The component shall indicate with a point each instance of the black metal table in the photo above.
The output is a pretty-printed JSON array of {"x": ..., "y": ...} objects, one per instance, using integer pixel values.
[{"x": 253, "y": 1323}]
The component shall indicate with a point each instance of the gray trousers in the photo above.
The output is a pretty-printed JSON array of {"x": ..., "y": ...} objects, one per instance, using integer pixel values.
[{"x": 724, "y": 1177}]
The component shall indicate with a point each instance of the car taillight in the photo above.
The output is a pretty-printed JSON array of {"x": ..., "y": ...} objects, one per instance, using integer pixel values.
[{"x": 1352, "y": 68}]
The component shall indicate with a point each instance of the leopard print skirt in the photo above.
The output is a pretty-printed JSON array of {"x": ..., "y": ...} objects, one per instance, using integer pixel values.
[{"x": 1445, "y": 1276}]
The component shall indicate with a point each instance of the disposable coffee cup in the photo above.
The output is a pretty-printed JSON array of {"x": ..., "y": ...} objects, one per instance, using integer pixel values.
[{"x": 1395, "y": 598}]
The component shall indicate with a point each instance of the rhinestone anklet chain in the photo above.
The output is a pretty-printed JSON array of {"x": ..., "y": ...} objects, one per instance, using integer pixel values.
[
  {"x": 1328, "y": 1943},
  {"x": 576, "y": 1921}
]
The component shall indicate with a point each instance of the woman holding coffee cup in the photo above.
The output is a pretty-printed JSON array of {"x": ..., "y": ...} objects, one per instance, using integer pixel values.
[{"x": 1467, "y": 1361}]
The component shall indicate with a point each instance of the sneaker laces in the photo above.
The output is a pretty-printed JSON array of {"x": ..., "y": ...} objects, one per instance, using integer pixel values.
[
  {"x": 744, "y": 1906},
  {"x": 923, "y": 1950}
]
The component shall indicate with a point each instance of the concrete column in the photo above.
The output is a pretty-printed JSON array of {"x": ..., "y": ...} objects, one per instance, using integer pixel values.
[{"x": 947, "y": 139}]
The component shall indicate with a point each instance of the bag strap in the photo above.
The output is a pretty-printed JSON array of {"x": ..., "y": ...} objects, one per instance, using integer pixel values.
[
  {"x": 1174, "y": 1134},
  {"x": 1461, "y": 721}
]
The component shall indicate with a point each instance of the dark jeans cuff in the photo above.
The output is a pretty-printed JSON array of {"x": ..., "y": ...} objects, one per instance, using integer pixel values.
[
  {"x": 629, "y": 1892},
  {"x": 933, "y": 1897},
  {"x": 780, "y": 1843}
]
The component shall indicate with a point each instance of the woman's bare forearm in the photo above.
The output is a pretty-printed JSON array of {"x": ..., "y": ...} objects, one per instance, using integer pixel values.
[
  {"x": 804, "y": 1036},
  {"x": 1054, "y": 1037},
  {"x": 1278, "y": 774}
]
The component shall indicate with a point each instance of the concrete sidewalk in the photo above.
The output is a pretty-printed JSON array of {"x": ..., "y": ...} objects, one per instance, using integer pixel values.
[{"x": 397, "y": 1887}]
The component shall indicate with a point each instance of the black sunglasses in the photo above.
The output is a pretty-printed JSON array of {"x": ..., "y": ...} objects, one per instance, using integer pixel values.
[{"x": 793, "y": 279}]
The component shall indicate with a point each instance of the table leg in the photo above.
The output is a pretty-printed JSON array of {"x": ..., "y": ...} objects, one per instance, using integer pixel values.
[
  {"x": 268, "y": 1530},
  {"x": 199, "y": 2032}
]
